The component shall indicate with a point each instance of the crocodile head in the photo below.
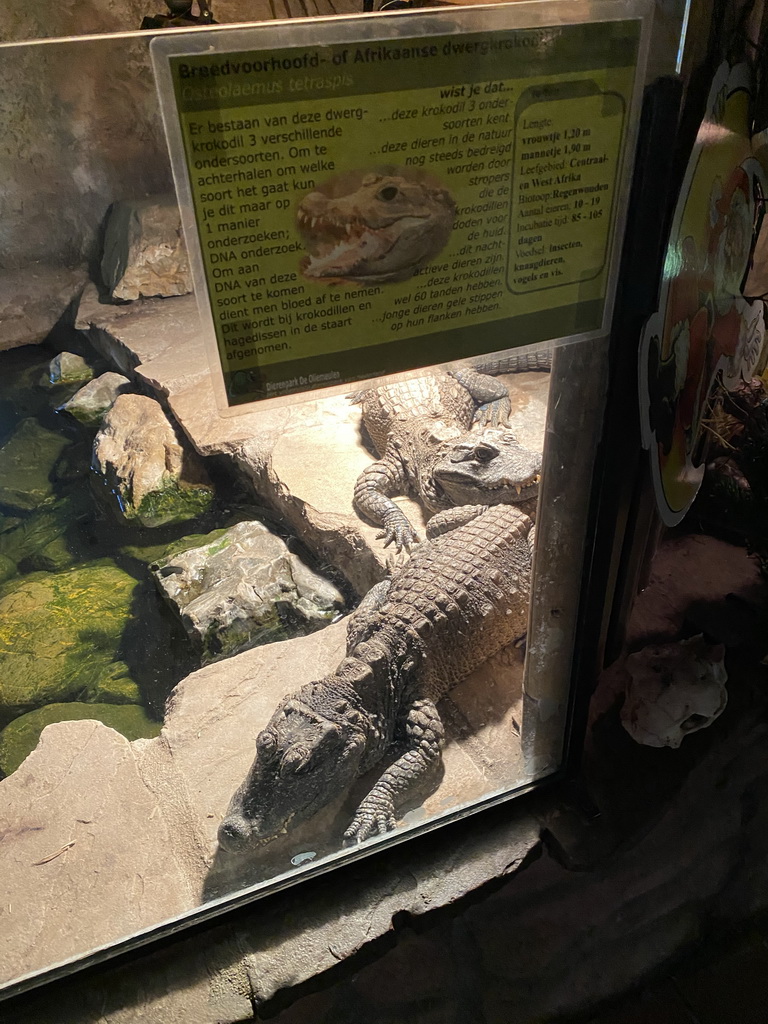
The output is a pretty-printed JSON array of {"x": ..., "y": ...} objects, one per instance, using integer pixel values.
[
  {"x": 487, "y": 467},
  {"x": 385, "y": 230},
  {"x": 304, "y": 758}
]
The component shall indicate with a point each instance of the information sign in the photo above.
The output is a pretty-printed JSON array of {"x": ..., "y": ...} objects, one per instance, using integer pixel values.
[{"x": 362, "y": 206}]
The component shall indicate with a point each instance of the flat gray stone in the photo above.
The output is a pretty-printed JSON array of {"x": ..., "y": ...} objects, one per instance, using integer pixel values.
[
  {"x": 154, "y": 807},
  {"x": 92, "y": 851},
  {"x": 244, "y": 588}
]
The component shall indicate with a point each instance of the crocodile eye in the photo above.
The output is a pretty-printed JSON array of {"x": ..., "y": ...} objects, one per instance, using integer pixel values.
[
  {"x": 484, "y": 452},
  {"x": 388, "y": 193}
]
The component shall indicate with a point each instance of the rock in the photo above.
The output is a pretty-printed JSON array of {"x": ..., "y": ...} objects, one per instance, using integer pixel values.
[
  {"x": 91, "y": 402},
  {"x": 94, "y": 848},
  {"x": 244, "y": 588},
  {"x": 50, "y": 557},
  {"x": 59, "y": 637},
  {"x": 7, "y": 568},
  {"x": 144, "y": 250},
  {"x": 33, "y": 300},
  {"x": 115, "y": 686},
  {"x": 146, "y": 334},
  {"x": 157, "y": 478},
  {"x": 8, "y": 523},
  {"x": 20, "y": 738},
  {"x": 26, "y": 465},
  {"x": 67, "y": 368},
  {"x": 40, "y": 540},
  {"x": 78, "y": 143}
]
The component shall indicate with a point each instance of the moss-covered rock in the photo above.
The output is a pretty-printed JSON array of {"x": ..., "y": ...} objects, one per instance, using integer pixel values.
[
  {"x": 90, "y": 404},
  {"x": 7, "y": 568},
  {"x": 60, "y": 635},
  {"x": 20, "y": 737},
  {"x": 41, "y": 540},
  {"x": 68, "y": 368},
  {"x": 153, "y": 473},
  {"x": 115, "y": 686},
  {"x": 175, "y": 503},
  {"x": 50, "y": 557},
  {"x": 26, "y": 463},
  {"x": 242, "y": 588},
  {"x": 152, "y": 554}
]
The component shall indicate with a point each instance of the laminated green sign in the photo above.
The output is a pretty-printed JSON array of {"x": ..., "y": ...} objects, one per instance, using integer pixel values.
[{"x": 369, "y": 207}]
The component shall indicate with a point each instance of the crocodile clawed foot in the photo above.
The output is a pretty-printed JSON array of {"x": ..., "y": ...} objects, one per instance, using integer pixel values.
[
  {"x": 403, "y": 537},
  {"x": 375, "y": 817}
]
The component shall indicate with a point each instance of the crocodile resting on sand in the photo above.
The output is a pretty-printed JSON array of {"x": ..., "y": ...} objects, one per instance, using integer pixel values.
[
  {"x": 421, "y": 428},
  {"x": 460, "y": 599},
  {"x": 385, "y": 230}
]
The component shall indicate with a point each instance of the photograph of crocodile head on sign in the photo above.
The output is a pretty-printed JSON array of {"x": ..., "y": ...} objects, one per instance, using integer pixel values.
[{"x": 372, "y": 227}]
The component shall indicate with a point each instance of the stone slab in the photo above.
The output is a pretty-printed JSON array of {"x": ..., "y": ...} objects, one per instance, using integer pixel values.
[
  {"x": 89, "y": 853},
  {"x": 34, "y": 299}
]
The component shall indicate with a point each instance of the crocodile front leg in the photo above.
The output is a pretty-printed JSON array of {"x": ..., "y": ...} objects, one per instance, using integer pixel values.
[
  {"x": 374, "y": 489},
  {"x": 425, "y": 737},
  {"x": 492, "y": 397}
]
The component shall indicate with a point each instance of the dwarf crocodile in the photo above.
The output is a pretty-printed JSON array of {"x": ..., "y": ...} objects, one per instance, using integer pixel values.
[
  {"x": 460, "y": 599},
  {"x": 385, "y": 230},
  {"x": 421, "y": 429}
]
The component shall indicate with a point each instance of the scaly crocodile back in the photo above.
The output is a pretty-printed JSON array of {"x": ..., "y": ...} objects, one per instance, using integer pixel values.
[
  {"x": 460, "y": 600},
  {"x": 436, "y": 396}
]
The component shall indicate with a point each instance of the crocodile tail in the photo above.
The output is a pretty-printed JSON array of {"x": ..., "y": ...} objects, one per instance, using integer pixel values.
[{"x": 517, "y": 362}]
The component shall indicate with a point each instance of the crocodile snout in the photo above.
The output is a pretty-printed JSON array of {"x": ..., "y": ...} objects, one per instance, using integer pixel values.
[{"x": 234, "y": 833}]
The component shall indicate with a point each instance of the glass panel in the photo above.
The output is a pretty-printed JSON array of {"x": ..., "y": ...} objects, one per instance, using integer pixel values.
[{"x": 224, "y": 577}]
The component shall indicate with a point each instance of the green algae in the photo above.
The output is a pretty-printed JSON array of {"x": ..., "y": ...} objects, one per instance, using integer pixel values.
[
  {"x": 20, "y": 738},
  {"x": 161, "y": 554},
  {"x": 60, "y": 635},
  {"x": 68, "y": 368},
  {"x": 176, "y": 503},
  {"x": 26, "y": 463},
  {"x": 7, "y": 568}
]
